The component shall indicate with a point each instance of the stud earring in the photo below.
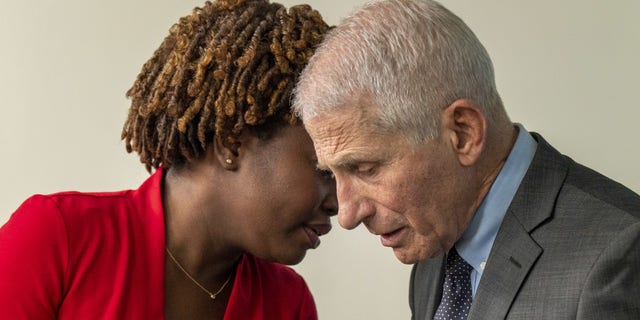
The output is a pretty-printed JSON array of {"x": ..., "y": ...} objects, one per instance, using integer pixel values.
[{"x": 229, "y": 161}]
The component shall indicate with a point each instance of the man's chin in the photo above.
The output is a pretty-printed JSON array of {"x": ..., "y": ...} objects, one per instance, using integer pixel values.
[{"x": 407, "y": 257}]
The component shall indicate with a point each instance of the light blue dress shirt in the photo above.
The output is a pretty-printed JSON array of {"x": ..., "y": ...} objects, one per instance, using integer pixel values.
[{"x": 476, "y": 242}]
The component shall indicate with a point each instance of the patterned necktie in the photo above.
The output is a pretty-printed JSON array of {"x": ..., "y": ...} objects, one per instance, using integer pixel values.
[{"x": 456, "y": 290}]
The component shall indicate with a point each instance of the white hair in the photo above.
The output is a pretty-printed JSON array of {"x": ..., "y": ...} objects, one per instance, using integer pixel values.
[{"x": 412, "y": 57}]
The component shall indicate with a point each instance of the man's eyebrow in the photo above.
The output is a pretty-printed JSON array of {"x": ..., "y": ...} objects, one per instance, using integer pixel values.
[{"x": 344, "y": 160}]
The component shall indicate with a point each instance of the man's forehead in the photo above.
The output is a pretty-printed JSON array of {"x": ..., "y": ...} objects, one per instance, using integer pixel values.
[
  {"x": 330, "y": 124},
  {"x": 330, "y": 132},
  {"x": 356, "y": 113},
  {"x": 344, "y": 120},
  {"x": 342, "y": 137}
]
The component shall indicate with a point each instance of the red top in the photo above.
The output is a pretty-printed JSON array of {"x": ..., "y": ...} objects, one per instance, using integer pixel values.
[{"x": 78, "y": 255}]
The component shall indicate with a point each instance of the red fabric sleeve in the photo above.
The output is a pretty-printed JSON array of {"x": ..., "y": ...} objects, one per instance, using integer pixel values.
[{"x": 33, "y": 260}]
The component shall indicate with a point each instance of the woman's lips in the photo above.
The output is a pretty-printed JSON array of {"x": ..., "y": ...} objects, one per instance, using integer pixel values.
[
  {"x": 314, "y": 231},
  {"x": 320, "y": 228},
  {"x": 392, "y": 239}
]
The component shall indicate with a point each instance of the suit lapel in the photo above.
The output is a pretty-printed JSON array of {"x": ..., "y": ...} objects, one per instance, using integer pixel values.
[
  {"x": 514, "y": 251},
  {"x": 426, "y": 287},
  {"x": 511, "y": 258}
]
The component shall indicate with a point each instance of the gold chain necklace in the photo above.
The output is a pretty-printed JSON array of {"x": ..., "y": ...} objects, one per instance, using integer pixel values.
[{"x": 211, "y": 294}]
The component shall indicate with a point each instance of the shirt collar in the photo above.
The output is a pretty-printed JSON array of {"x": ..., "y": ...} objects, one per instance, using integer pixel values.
[{"x": 476, "y": 241}]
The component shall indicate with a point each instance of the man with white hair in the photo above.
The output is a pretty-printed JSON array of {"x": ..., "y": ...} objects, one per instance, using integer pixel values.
[{"x": 401, "y": 103}]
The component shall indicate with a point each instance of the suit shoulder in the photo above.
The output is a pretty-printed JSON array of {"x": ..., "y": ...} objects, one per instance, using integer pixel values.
[{"x": 585, "y": 184}]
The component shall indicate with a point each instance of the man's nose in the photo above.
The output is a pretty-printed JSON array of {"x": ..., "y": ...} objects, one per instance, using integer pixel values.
[{"x": 352, "y": 205}]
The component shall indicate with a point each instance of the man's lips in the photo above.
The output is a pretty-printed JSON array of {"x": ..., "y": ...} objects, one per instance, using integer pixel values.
[{"x": 393, "y": 238}]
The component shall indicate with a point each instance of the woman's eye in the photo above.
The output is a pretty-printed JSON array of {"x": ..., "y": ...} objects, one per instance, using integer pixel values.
[{"x": 327, "y": 174}]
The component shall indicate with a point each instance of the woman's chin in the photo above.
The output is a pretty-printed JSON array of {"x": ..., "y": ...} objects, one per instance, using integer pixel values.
[{"x": 291, "y": 258}]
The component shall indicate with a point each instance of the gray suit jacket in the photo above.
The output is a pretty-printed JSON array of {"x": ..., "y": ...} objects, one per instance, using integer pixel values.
[{"x": 568, "y": 248}]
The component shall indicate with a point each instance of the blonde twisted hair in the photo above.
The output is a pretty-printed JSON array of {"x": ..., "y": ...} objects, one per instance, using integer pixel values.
[{"x": 228, "y": 66}]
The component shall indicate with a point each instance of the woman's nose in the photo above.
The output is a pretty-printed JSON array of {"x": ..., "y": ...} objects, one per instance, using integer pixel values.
[{"x": 329, "y": 204}]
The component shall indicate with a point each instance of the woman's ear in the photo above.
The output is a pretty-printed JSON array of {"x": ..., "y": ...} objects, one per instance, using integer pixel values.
[
  {"x": 467, "y": 127},
  {"x": 226, "y": 157}
]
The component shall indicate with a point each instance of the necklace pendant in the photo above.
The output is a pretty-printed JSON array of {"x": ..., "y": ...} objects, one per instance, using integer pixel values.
[{"x": 211, "y": 294}]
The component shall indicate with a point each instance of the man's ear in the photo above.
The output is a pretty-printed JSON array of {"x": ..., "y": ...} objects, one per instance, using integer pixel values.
[
  {"x": 466, "y": 128},
  {"x": 225, "y": 156}
]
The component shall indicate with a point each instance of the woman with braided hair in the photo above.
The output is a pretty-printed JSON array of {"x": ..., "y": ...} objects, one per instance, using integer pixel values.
[{"x": 234, "y": 189}]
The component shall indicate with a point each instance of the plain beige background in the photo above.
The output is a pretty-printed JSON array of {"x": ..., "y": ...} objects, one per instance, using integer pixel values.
[{"x": 565, "y": 68}]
